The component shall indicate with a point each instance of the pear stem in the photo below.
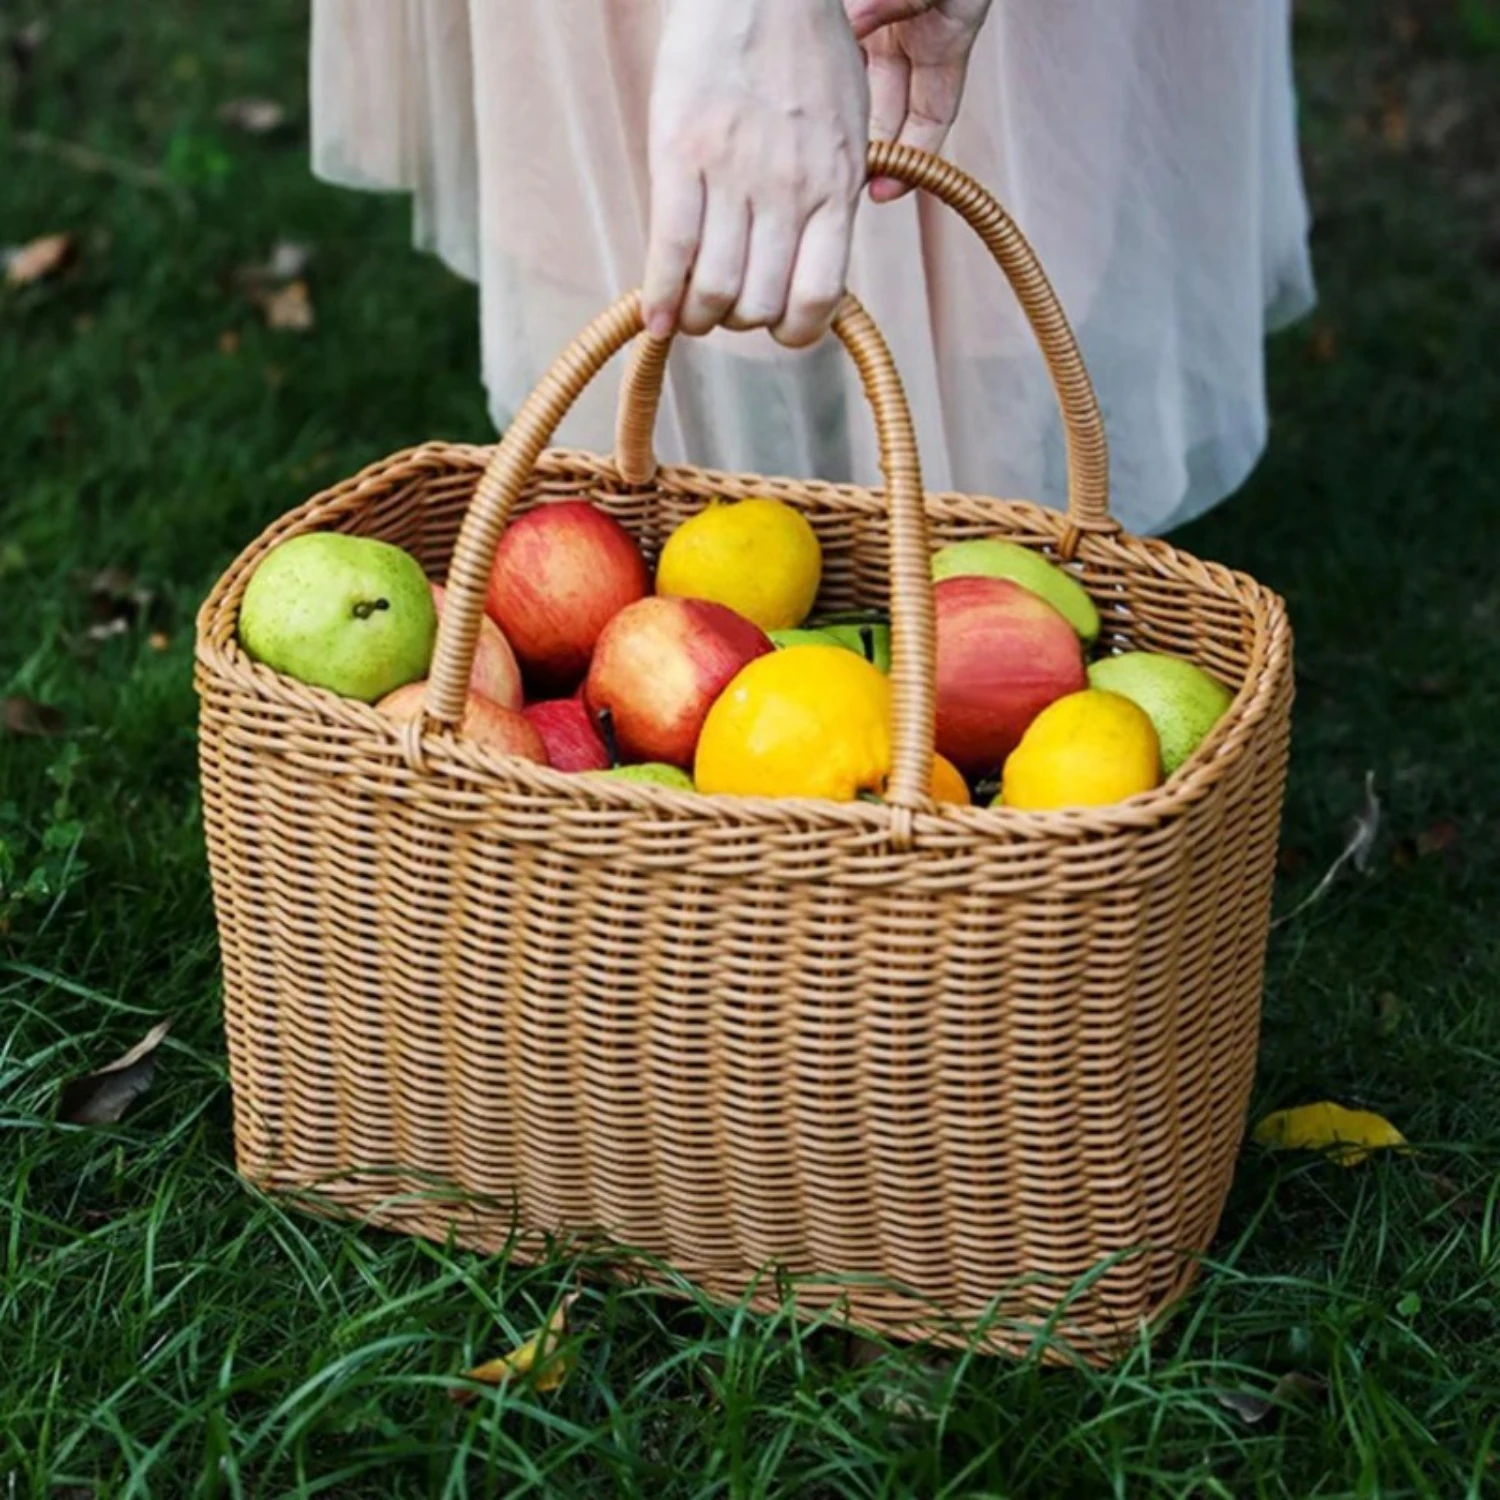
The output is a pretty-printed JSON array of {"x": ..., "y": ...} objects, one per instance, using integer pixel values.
[{"x": 367, "y": 607}]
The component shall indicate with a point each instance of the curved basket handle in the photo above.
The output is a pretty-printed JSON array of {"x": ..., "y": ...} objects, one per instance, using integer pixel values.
[
  {"x": 1083, "y": 427},
  {"x": 913, "y": 634}
]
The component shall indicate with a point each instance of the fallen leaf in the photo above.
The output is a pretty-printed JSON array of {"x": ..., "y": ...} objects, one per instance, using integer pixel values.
[
  {"x": 254, "y": 116},
  {"x": 41, "y": 258},
  {"x": 229, "y": 341},
  {"x": 25, "y": 716},
  {"x": 1434, "y": 840},
  {"x": 101, "y": 1098},
  {"x": 290, "y": 308},
  {"x": 539, "y": 1357},
  {"x": 1346, "y": 1135},
  {"x": 1251, "y": 1407},
  {"x": 1358, "y": 848},
  {"x": 159, "y": 640},
  {"x": 1467, "y": 1205}
]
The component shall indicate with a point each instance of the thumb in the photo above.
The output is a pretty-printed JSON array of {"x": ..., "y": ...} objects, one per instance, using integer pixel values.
[{"x": 866, "y": 16}]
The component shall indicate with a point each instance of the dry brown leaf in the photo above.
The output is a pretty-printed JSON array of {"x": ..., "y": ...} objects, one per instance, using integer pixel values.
[
  {"x": 229, "y": 341},
  {"x": 101, "y": 1098},
  {"x": 539, "y": 1357},
  {"x": 290, "y": 308},
  {"x": 159, "y": 640},
  {"x": 26, "y": 717},
  {"x": 1251, "y": 1407},
  {"x": 1347, "y": 1136},
  {"x": 40, "y": 258},
  {"x": 254, "y": 116}
]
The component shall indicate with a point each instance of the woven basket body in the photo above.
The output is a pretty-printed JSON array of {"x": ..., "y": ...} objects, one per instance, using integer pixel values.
[{"x": 937, "y": 1064}]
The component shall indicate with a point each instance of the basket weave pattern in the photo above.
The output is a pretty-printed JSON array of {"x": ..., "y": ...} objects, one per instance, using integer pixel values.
[{"x": 934, "y": 1060}]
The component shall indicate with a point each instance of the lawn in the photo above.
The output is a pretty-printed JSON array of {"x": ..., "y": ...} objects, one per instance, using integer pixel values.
[{"x": 168, "y": 1332}]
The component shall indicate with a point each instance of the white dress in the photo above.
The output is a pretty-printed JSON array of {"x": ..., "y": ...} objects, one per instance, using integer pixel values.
[{"x": 1146, "y": 147}]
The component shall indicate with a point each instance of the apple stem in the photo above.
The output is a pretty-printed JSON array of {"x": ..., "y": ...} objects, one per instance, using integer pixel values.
[
  {"x": 367, "y": 607},
  {"x": 606, "y": 722}
]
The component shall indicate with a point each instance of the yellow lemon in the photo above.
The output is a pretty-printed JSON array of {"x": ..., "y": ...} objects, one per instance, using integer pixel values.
[
  {"x": 1086, "y": 749},
  {"x": 809, "y": 721},
  {"x": 758, "y": 557}
]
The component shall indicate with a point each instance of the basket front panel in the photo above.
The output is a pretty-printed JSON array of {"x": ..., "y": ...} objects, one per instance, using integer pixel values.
[{"x": 964, "y": 1094}]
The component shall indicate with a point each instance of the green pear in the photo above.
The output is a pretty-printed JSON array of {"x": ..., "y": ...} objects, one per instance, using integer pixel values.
[
  {"x": 870, "y": 638},
  {"x": 345, "y": 613},
  {"x": 651, "y": 773},
  {"x": 781, "y": 639},
  {"x": 989, "y": 557},
  {"x": 1179, "y": 698}
]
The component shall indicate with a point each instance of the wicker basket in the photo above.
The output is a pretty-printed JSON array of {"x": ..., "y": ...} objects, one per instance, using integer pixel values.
[{"x": 952, "y": 1072}]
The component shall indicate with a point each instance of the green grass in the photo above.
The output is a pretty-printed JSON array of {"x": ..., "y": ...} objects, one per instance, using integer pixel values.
[{"x": 164, "y": 1331}]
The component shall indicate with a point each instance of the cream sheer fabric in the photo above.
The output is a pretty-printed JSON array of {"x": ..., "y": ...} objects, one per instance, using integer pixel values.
[{"x": 1146, "y": 147}]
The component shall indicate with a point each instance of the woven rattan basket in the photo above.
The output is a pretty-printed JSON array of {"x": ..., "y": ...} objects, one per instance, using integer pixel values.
[{"x": 951, "y": 1072}]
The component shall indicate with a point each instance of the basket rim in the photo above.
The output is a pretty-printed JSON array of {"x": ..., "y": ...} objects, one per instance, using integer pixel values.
[{"x": 218, "y": 654}]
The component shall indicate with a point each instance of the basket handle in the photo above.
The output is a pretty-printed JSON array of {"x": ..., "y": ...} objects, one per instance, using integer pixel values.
[
  {"x": 1083, "y": 427},
  {"x": 913, "y": 637}
]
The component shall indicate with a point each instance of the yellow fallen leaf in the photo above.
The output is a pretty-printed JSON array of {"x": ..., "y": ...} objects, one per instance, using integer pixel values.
[
  {"x": 539, "y": 1357},
  {"x": 1347, "y": 1135}
]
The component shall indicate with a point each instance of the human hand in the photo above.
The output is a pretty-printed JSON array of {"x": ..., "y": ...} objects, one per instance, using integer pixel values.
[
  {"x": 759, "y": 125},
  {"x": 917, "y": 52}
]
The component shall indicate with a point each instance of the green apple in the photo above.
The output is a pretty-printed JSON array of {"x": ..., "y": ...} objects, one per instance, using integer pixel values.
[
  {"x": 989, "y": 557},
  {"x": 1179, "y": 698},
  {"x": 651, "y": 773},
  {"x": 781, "y": 639},
  {"x": 345, "y": 613},
  {"x": 871, "y": 638},
  {"x": 865, "y": 632}
]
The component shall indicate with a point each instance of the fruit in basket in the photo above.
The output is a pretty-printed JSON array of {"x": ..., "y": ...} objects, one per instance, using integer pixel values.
[
  {"x": 495, "y": 674},
  {"x": 569, "y": 733},
  {"x": 803, "y": 636},
  {"x": 1085, "y": 750},
  {"x": 653, "y": 773},
  {"x": 347, "y": 613},
  {"x": 560, "y": 574},
  {"x": 659, "y": 665},
  {"x": 1181, "y": 699},
  {"x": 1003, "y": 654},
  {"x": 990, "y": 557},
  {"x": 948, "y": 784},
  {"x": 871, "y": 638},
  {"x": 484, "y": 721},
  {"x": 810, "y": 721},
  {"x": 758, "y": 557}
]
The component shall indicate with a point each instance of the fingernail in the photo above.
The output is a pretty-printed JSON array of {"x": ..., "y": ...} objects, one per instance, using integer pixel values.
[{"x": 659, "y": 324}]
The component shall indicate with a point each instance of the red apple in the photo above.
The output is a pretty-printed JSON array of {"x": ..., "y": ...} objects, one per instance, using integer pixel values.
[
  {"x": 495, "y": 674},
  {"x": 1003, "y": 654},
  {"x": 572, "y": 741},
  {"x": 561, "y": 573},
  {"x": 658, "y": 667},
  {"x": 485, "y": 722}
]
